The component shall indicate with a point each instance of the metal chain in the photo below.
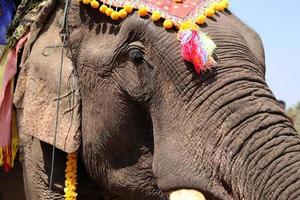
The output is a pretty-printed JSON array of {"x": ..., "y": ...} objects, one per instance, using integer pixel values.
[{"x": 63, "y": 35}]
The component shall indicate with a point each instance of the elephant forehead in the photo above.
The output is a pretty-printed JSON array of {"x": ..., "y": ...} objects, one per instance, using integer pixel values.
[
  {"x": 98, "y": 37},
  {"x": 102, "y": 28}
]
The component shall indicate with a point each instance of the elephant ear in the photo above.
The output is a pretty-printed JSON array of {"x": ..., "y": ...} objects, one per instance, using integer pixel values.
[{"x": 36, "y": 93}]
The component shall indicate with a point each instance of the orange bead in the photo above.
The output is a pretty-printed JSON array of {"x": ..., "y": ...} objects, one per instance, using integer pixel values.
[
  {"x": 213, "y": 6},
  {"x": 155, "y": 16},
  {"x": 201, "y": 19},
  {"x": 95, "y": 4},
  {"x": 109, "y": 11},
  {"x": 103, "y": 8},
  {"x": 128, "y": 8},
  {"x": 219, "y": 7},
  {"x": 226, "y": 2},
  {"x": 115, "y": 15},
  {"x": 223, "y": 5},
  {"x": 123, "y": 14},
  {"x": 168, "y": 24},
  {"x": 143, "y": 11},
  {"x": 86, "y": 2},
  {"x": 209, "y": 12}
]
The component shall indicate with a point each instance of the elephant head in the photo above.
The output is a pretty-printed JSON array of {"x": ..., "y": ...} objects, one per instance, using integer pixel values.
[{"x": 151, "y": 125}]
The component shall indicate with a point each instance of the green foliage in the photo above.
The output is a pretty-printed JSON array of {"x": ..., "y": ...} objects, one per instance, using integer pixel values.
[{"x": 294, "y": 113}]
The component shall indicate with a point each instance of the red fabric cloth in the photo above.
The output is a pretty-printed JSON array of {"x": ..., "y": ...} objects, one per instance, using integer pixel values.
[
  {"x": 176, "y": 11},
  {"x": 180, "y": 10}
]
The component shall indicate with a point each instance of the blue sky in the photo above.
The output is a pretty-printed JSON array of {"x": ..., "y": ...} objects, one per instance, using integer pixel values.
[{"x": 278, "y": 24}]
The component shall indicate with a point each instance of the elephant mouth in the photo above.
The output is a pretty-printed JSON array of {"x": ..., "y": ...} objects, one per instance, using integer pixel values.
[{"x": 185, "y": 194}]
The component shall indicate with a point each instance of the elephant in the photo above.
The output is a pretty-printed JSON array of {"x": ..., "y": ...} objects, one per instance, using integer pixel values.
[{"x": 144, "y": 123}]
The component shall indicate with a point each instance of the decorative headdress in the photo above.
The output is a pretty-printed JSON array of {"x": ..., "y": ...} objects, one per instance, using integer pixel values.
[{"x": 185, "y": 15}]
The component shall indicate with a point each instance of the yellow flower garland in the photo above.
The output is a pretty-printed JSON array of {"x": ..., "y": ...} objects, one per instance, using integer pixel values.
[{"x": 71, "y": 177}]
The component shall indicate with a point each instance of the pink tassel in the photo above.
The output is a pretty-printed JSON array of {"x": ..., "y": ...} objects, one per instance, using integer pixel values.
[{"x": 197, "y": 48}]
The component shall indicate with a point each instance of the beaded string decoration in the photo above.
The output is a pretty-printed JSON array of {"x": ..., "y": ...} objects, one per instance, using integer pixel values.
[{"x": 184, "y": 15}]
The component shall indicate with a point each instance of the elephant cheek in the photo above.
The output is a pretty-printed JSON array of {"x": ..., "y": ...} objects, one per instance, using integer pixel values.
[{"x": 168, "y": 166}]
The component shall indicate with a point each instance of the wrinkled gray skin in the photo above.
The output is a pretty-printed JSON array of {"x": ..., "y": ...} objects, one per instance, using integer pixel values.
[{"x": 151, "y": 125}]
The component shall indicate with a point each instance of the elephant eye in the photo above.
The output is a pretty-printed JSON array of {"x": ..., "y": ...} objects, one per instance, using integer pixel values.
[{"x": 136, "y": 56}]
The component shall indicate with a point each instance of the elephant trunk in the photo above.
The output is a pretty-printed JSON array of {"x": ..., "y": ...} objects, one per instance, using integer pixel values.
[
  {"x": 230, "y": 141},
  {"x": 264, "y": 161}
]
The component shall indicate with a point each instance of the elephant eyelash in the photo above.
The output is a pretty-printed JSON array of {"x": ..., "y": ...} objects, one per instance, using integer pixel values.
[
  {"x": 147, "y": 60},
  {"x": 135, "y": 54},
  {"x": 137, "y": 48}
]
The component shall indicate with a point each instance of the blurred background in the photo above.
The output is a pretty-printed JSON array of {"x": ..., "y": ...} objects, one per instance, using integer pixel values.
[{"x": 278, "y": 24}]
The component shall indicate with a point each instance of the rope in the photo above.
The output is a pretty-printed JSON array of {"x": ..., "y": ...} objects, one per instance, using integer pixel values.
[{"x": 63, "y": 34}]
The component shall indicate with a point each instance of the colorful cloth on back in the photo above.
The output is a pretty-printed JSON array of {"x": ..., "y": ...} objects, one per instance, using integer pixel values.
[
  {"x": 26, "y": 14},
  {"x": 5, "y": 114},
  {"x": 6, "y": 134},
  {"x": 8, "y": 131},
  {"x": 6, "y": 16}
]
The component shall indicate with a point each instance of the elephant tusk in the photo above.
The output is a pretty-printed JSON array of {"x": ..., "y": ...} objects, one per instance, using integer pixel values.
[{"x": 186, "y": 195}]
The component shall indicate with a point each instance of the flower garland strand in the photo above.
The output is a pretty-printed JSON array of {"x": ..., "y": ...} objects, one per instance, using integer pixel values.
[{"x": 71, "y": 177}]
